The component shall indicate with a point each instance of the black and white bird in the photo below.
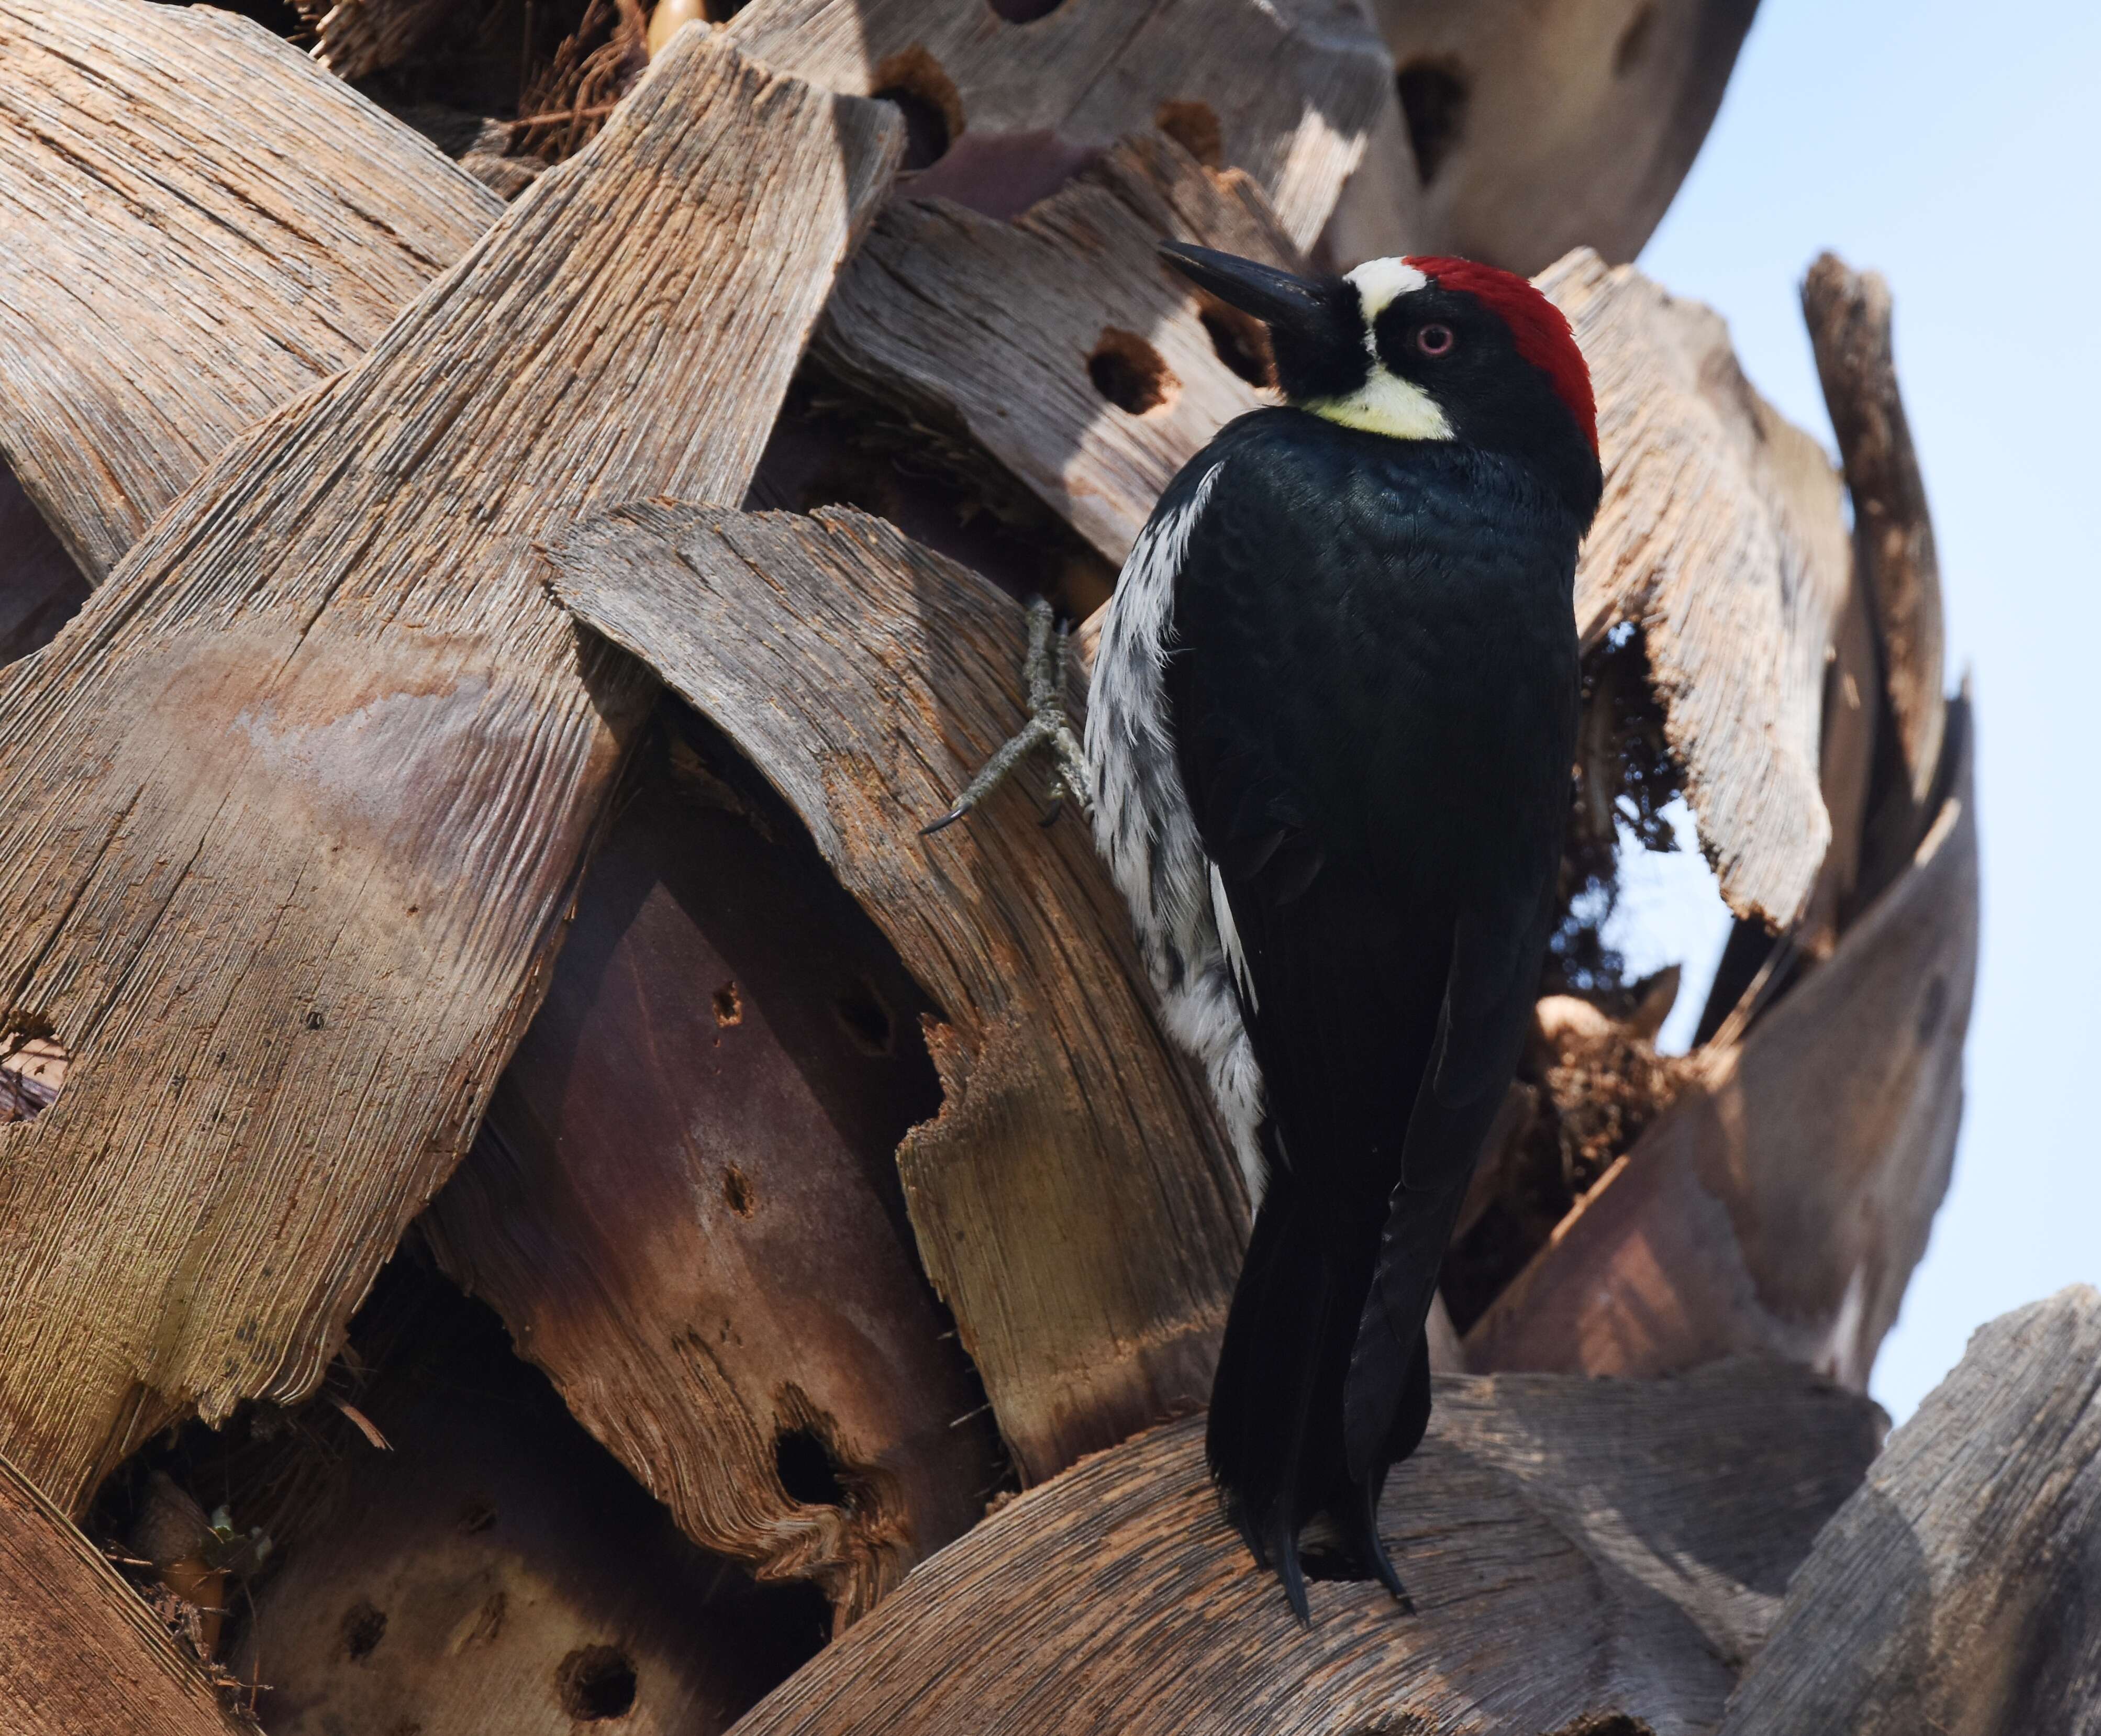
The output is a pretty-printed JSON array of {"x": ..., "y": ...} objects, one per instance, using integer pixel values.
[{"x": 1328, "y": 745}]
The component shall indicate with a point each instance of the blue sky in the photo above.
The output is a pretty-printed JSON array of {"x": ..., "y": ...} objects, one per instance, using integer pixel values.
[{"x": 1953, "y": 148}]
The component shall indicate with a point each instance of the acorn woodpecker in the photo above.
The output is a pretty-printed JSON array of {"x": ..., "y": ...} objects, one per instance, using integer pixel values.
[{"x": 1330, "y": 740}]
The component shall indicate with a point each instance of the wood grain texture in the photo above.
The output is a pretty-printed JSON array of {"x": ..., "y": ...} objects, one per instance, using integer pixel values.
[
  {"x": 1092, "y": 71},
  {"x": 1575, "y": 1549},
  {"x": 1723, "y": 534},
  {"x": 1074, "y": 1200},
  {"x": 984, "y": 331},
  {"x": 1528, "y": 128},
  {"x": 1781, "y": 1201},
  {"x": 1956, "y": 1591},
  {"x": 1850, "y": 316},
  {"x": 81, "y": 1654},
  {"x": 293, "y": 808},
  {"x": 685, "y": 1204},
  {"x": 196, "y": 224}
]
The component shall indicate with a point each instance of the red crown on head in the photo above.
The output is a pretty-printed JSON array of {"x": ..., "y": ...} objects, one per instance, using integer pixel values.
[{"x": 1541, "y": 329}]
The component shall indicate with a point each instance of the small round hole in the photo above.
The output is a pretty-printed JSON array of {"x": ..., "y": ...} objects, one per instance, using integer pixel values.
[
  {"x": 925, "y": 132},
  {"x": 804, "y": 1466},
  {"x": 1130, "y": 372},
  {"x": 1241, "y": 344},
  {"x": 728, "y": 1005},
  {"x": 595, "y": 1684},
  {"x": 738, "y": 1190},
  {"x": 1024, "y": 11},
  {"x": 1195, "y": 128},
  {"x": 363, "y": 1627},
  {"x": 1433, "y": 100},
  {"x": 928, "y": 98}
]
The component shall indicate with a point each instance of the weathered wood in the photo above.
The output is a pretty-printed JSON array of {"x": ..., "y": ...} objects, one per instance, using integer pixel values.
[
  {"x": 1850, "y": 318},
  {"x": 1058, "y": 87},
  {"x": 1007, "y": 339},
  {"x": 1575, "y": 1550},
  {"x": 40, "y": 587},
  {"x": 1956, "y": 1591},
  {"x": 356, "y": 38},
  {"x": 196, "y": 224},
  {"x": 1533, "y": 126},
  {"x": 81, "y": 1654},
  {"x": 685, "y": 1205},
  {"x": 293, "y": 809},
  {"x": 1782, "y": 1200},
  {"x": 1074, "y": 1200},
  {"x": 494, "y": 1571},
  {"x": 1722, "y": 535}
]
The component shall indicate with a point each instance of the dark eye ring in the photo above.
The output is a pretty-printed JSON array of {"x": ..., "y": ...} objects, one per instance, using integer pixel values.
[{"x": 1434, "y": 340}]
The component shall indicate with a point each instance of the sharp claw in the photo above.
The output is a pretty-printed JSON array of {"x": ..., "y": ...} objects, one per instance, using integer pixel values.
[{"x": 944, "y": 823}]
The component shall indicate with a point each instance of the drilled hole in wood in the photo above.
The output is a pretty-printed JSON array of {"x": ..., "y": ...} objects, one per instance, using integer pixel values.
[
  {"x": 1633, "y": 41},
  {"x": 33, "y": 1071},
  {"x": 1605, "y": 1724},
  {"x": 867, "y": 1020},
  {"x": 927, "y": 97},
  {"x": 729, "y": 1005},
  {"x": 721, "y": 11},
  {"x": 595, "y": 1684},
  {"x": 363, "y": 1627},
  {"x": 1195, "y": 128},
  {"x": 804, "y": 1465},
  {"x": 1240, "y": 343},
  {"x": 1433, "y": 100},
  {"x": 1130, "y": 372},
  {"x": 738, "y": 1190},
  {"x": 1024, "y": 11}
]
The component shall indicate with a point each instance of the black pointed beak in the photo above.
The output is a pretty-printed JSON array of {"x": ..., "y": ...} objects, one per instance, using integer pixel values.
[{"x": 1291, "y": 307}]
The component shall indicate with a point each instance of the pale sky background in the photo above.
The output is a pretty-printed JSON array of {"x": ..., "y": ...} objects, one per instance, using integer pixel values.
[{"x": 1953, "y": 148}]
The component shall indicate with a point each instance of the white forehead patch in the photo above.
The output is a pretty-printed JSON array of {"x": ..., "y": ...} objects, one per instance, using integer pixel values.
[{"x": 1382, "y": 282}]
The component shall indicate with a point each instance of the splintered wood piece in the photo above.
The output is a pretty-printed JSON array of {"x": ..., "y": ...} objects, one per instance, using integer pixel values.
[
  {"x": 81, "y": 1653},
  {"x": 356, "y": 38},
  {"x": 293, "y": 808},
  {"x": 1955, "y": 1590},
  {"x": 685, "y": 1204},
  {"x": 1721, "y": 533},
  {"x": 1012, "y": 102},
  {"x": 1781, "y": 1201},
  {"x": 1075, "y": 1202},
  {"x": 199, "y": 223},
  {"x": 1056, "y": 350},
  {"x": 1849, "y": 316},
  {"x": 1533, "y": 126},
  {"x": 1579, "y": 1553}
]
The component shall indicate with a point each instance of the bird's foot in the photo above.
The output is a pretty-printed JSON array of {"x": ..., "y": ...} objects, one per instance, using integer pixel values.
[{"x": 1047, "y": 728}]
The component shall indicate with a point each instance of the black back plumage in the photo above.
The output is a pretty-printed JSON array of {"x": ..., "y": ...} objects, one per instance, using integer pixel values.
[{"x": 1372, "y": 684}]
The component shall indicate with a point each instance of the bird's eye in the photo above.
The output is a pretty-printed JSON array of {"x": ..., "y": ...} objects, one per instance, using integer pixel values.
[{"x": 1434, "y": 340}]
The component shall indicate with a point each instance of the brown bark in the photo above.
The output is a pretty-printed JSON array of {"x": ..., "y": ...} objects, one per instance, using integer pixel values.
[
  {"x": 1023, "y": 104},
  {"x": 1955, "y": 1590},
  {"x": 1074, "y": 1201},
  {"x": 1575, "y": 1549},
  {"x": 202, "y": 225},
  {"x": 294, "y": 807}
]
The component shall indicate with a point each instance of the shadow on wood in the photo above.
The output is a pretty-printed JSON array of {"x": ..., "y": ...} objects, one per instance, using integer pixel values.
[{"x": 1575, "y": 1549}]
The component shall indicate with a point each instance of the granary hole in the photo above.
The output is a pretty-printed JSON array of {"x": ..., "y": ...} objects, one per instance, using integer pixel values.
[
  {"x": 738, "y": 1190},
  {"x": 1130, "y": 372},
  {"x": 363, "y": 1627},
  {"x": 1433, "y": 101},
  {"x": 33, "y": 1070},
  {"x": 728, "y": 1005},
  {"x": 804, "y": 1466},
  {"x": 1024, "y": 11},
  {"x": 928, "y": 98},
  {"x": 1195, "y": 128},
  {"x": 595, "y": 1684},
  {"x": 1241, "y": 344},
  {"x": 721, "y": 11}
]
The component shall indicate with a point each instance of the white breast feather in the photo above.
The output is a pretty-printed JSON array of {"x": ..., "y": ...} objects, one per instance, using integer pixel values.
[{"x": 1147, "y": 833}]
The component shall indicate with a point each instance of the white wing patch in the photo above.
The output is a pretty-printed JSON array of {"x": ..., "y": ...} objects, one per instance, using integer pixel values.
[{"x": 1148, "y": 835}]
